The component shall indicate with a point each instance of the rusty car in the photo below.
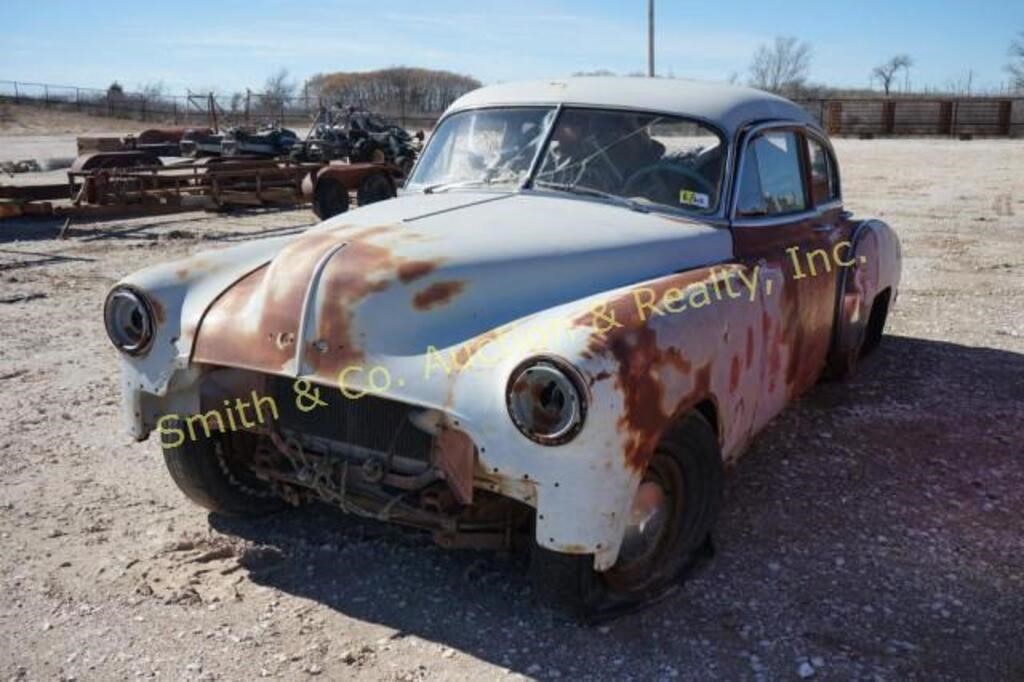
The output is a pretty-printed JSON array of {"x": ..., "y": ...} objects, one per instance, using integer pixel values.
[{"x": 588, "y": 299}]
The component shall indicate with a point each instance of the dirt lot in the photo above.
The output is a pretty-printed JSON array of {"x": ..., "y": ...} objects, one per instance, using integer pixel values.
[{"x": 875, "y": 529}]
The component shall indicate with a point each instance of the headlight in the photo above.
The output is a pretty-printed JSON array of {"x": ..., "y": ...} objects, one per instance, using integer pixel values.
[
  {"x": 545, "y": 400},
  {"x": 129, "y": 320}
]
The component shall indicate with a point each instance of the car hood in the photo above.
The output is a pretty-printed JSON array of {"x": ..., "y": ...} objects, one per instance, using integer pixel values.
[{"x": 420, "y": 271}]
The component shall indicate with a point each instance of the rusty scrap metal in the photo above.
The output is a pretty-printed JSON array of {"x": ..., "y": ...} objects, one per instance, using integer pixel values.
[{"x": 97, "y": 190}]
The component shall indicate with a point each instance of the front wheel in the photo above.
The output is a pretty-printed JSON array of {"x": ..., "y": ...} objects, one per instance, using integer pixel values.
[
  {"x": 673, "y": 512},
  {"x": 212, "y": 472}
]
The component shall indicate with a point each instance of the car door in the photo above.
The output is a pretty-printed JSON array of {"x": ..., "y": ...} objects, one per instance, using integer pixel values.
[{"x": 775, "y": 223}]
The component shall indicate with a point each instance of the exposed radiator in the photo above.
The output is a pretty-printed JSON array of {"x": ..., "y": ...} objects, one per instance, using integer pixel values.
[{"x": 370, "y": 422}]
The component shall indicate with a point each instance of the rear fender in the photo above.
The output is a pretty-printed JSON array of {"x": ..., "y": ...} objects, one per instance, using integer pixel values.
[{"x": 875, "y": 263}]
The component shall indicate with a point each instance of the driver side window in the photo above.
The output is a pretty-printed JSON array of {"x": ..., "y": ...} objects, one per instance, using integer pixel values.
[{"x": 772, "y": 181}]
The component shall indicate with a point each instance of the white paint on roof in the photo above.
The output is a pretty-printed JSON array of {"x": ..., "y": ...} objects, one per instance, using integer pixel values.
[{"x": 729, "y": 106}]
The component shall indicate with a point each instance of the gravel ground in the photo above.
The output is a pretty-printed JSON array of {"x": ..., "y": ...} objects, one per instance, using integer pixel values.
[{"x": 873, "y": 531}]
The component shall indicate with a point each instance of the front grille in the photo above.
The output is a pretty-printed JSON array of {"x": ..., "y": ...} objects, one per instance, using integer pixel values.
[{"x": 369, "y": 422}]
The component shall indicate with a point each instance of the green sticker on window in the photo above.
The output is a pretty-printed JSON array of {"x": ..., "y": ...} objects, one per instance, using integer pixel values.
[{"x": 691, "y": 198}]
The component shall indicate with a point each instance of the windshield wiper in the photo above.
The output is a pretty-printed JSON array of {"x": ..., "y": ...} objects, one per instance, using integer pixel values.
[{"x": 591, "y": 192}]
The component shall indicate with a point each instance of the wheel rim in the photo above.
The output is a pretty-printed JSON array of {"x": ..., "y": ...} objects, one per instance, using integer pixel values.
[
  {"x": 648, "y": 544},
  {"x": 648, "y": 518}
]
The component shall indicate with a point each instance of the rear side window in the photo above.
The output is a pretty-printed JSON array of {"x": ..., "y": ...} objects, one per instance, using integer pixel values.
[
  {"x": 824, "y": 187},
  {"x": 771, "y": 182}
]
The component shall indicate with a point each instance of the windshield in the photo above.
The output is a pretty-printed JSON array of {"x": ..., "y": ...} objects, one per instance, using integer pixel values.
[
  {"x": 661, "y": 160},
  {"x": 637, "y": 157},
  {"x": 486, "y": 146}
]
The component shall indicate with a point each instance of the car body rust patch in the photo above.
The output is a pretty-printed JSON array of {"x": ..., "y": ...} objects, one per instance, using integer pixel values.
[{"x": 437, "y": 294}]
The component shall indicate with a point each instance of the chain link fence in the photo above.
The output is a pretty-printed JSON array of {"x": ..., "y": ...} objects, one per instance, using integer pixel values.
[{"x": 192, "y": 109}]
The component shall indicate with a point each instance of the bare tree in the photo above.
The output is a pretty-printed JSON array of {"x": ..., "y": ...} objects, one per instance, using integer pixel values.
[
  {"x": 277, "y": 91},
  {"x": 1016, "y": 65},
  {"x": 398, "y": 90},
  {"x": 886, "y": 73},
  {"x": 153, "y": 91},
  {"x": 782, "y": 66}
]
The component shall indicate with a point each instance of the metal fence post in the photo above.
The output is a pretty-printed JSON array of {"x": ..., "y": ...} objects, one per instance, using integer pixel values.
[
  {"x": 888, "y": 117},
  {"x": 945, "y": 118},
  {"x": 16, "y": 101},
  {"x": 1005, "y": 117}
]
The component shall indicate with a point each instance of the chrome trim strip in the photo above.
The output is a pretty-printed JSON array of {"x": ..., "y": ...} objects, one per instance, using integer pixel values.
[
  {"x": 314, "y": 282},
  {"x": 541, "y": 149}
]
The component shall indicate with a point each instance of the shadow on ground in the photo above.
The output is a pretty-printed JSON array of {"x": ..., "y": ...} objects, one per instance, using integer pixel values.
[{"x": 869, "y": 530}]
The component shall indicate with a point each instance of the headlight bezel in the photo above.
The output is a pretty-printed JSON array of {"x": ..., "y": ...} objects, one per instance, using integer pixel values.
[
  {"x": 572, "y": 379},
  {"x": 119, "y": 336}
]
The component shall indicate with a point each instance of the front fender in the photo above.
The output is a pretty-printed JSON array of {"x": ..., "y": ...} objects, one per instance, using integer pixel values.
[
  {"x": 641, "y": 374},
  {"x": 180, "y": 293}
]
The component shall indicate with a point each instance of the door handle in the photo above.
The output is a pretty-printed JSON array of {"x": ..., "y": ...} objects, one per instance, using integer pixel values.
[{"x": 822, "y": 228}]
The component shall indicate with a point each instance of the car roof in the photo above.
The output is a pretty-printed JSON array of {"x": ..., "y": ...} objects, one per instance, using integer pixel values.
[{"x": 730, "y": 107}]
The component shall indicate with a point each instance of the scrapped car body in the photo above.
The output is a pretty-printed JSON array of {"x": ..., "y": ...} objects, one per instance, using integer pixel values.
[{"x": 590, "y": 297}]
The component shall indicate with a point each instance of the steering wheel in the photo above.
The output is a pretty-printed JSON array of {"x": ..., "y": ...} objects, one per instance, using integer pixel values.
[{"x": 640, "y": 180}]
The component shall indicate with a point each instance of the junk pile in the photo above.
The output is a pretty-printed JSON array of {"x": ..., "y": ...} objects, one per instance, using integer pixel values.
[{"x": 347, "y": 152}]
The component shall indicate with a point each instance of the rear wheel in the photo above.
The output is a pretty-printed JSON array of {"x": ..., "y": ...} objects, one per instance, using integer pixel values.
[
  {"x": 876, "y": 323},
  {"x": 843, "y": 365},
  {"x": 213, "y": 473},
  {"x": 330, "y": 198},
  {"x": 674, "y": 510},
  {"x": 374, "y": 188}
]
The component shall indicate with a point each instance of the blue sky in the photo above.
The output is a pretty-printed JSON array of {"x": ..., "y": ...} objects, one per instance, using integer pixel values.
[{"x": 232, "y": 44}]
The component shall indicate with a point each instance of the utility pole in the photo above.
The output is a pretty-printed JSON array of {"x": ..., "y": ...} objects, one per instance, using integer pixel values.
[{"x": 650, "y": 38}]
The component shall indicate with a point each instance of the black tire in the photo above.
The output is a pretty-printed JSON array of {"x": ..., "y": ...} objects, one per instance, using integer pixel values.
[
  {"x": 212, "y": 473},
  {"x": 688, "y": 467},
  {"x": 842, "y": 366},
  {"x": 405, "y": 164},
  {"x": 330, "y": 198},
  {"x": 876, "y": 323},
  {"x": 374, "y": 188},
  {"x": 368, "y": 151}
]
